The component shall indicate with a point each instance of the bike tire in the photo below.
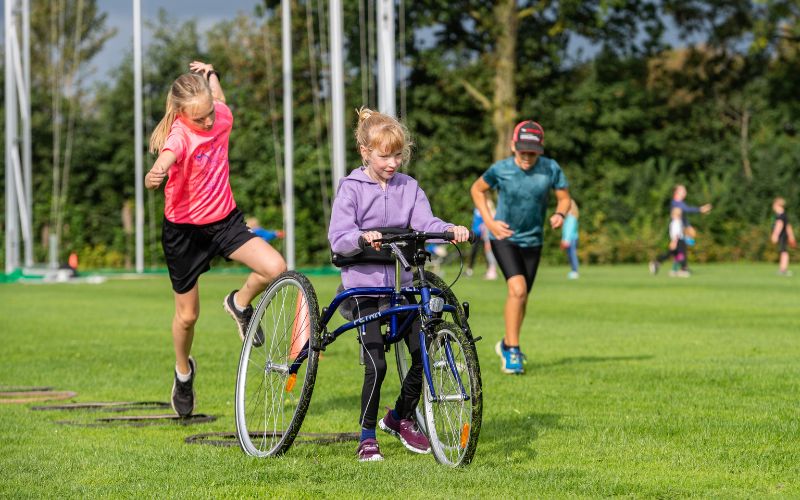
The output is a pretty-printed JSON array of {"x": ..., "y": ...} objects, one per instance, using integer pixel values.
[
  {"x": 270, "y": 403},
  {"x": 453, "y": 423}
]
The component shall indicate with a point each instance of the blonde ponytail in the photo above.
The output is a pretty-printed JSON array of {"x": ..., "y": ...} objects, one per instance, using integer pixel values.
[{"x": 184, "y": 91}]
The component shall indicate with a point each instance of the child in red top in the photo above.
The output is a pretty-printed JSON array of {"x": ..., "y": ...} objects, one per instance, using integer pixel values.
[{"x": 201, "y": 219}]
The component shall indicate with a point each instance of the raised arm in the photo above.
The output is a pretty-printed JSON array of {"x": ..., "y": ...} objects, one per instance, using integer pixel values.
[{"x": 213, "y": 78}]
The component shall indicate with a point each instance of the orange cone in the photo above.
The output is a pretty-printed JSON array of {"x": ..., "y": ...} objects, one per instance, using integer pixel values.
[{"x": 301, "y": 328}]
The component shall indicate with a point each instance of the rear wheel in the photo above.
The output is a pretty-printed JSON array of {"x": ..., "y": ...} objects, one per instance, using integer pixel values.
[
  {"x": 454, "y": 403},
  {"x": 401, "y": 352},
  {"x": 273, "y": 390}
]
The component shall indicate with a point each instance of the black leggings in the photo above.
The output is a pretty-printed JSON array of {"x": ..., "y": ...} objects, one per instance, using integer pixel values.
[
  {"x": 375, "y": 366},
  {"x": 679, "y": 254},
  {"x": 515, "y": 260}
]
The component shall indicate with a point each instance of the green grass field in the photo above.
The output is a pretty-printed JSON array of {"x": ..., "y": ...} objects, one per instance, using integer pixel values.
[{"x": 636, "y": 386}]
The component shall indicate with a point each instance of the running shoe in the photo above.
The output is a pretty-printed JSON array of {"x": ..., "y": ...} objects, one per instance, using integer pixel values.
[
  {"x": 183, "y": 392},
  {"x": 369, "y": 451},
  {"x": 407, "y": 431},
  {"x": 511, "y": 359},
  {"x": 243, "y": 319}
]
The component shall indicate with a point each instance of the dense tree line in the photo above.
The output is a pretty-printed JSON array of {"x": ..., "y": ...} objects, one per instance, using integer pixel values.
[{"x": 634, "y": 98}]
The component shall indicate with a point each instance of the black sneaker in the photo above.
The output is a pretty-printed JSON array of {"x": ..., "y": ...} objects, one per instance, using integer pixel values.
[
  {"x": 243, "y": 319},
  {"x": 183, "y": 393}
]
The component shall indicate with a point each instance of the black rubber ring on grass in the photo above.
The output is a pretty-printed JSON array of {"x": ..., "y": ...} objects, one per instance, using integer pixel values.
[{"x": 228, "y": 439}]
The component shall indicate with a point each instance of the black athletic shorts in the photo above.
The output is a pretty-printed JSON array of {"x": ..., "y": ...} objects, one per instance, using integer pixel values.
[
  {"x": 515, "y": 260},
  {"x": 189, "y": 248}
]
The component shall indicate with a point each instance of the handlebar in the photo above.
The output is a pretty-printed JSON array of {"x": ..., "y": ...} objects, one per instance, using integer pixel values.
[
  {"x": 395, "y": 241},
  {"x": 420, "y": 236}
]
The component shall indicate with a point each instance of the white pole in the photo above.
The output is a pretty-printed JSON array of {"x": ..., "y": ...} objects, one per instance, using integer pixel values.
[
  {"x": 337, "y": 92},
  {"x": 27, "y": 162},
  {"x": 12, "y": 227},
  {"x": 288, "y": 131},
  {"x": 386, "y": 57},
  {"x": 137, "y": 125}
]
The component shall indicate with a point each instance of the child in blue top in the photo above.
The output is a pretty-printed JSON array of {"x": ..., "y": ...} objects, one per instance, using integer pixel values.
[
  {"x": 524, "y": 182},
  {"x": 569, "y": 239}
]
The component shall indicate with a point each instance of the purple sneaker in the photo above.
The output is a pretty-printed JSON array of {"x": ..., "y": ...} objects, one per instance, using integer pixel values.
[
  {"x": 368, "y": 451},
  {"x": 407, "y": 431}
]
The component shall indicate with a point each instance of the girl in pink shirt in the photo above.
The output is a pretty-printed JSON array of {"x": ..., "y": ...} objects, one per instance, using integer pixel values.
[{"x": 201, "y": 219}]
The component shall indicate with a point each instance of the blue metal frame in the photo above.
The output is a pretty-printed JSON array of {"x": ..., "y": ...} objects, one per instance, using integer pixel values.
[{"x": 422, "y": 309}]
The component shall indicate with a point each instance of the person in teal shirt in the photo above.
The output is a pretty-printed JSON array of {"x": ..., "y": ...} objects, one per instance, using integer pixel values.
[
  {"x": 523, "y": 182},
  {"x": 569, "y": 239}
]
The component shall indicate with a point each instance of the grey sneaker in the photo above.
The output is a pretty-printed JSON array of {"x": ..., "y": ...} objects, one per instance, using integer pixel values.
[
  {"x": 369, "y": 451},
  {"x": 183, "y": 393},
  {"x": 243, "y": 319}
]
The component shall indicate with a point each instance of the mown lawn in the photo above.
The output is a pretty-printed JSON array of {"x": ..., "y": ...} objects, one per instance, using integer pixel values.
[{"x": 636, "y": 385}]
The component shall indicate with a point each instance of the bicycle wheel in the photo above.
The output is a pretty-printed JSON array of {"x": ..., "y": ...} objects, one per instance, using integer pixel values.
[
  {"x": 453, "y": 421},
  {"x": 271, "y": 400},
  {"x": 401, "y": 352}
]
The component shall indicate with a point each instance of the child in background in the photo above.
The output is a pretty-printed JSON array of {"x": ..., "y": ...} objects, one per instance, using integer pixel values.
[
  {"x": 478, "y": 227},
  {"x": 264, "y": 234},
  {"x": 677, "y": 244},
  {"x": 372, "y": 196},
  {"x": 201, "y": 219},
  {"x": 782, "y": 234},
  {"x": 569, "y": 239}
]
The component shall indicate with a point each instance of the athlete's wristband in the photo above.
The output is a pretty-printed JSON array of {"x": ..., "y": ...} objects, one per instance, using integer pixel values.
[
  {"x": 212, "y": 72},
  {"x": 560, "y": 215}
]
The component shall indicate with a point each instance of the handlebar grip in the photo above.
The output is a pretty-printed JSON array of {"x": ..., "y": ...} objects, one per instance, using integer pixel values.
[{"x": 449, "y": 236}]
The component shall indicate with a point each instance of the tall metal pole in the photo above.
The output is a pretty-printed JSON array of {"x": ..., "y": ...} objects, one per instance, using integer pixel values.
[
  {"x": 288, "y": 130},
  {"x": 12, "y": 224},
  {"x": 27, "y": 162},
  {"x": 337, "y": 92},
  {"x": 386, "y": 57},
  {"x": 138, "y": 126}
]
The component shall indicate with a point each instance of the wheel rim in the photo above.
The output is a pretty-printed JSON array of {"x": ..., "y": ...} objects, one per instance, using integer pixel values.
[
  {"x": 450, "y": 419},
  {"x": 269, "y": 399}
]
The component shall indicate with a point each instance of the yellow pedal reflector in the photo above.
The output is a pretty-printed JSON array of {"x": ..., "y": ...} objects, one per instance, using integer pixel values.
[
  {"x": 290, "y": 382},
  {"x": 464, "y": 436}
]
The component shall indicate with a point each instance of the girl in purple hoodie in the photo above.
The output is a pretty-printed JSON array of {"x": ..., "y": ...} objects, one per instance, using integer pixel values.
[{"x": 376, "y": 195}]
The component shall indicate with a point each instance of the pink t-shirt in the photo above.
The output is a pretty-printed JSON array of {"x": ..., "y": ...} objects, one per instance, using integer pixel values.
[{"x": 198, "y": 191}]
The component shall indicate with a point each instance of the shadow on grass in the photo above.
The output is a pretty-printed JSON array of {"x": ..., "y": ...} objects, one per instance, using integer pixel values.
[
  {"x": 586, "y": 359},
  {"x": 512, "y": 436}
]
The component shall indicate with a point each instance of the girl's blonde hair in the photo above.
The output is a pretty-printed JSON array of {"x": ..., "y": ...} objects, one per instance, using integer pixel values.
[
  {"x": 384, "y": 133},
  {"x": 184, "y": 91}
]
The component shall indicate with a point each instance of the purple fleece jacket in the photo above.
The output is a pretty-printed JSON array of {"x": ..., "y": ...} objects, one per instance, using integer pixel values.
[{"x": 361, "y": 204}]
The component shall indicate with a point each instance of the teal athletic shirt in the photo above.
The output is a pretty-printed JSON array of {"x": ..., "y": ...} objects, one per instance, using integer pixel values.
[{"x": 523, "y": 196}]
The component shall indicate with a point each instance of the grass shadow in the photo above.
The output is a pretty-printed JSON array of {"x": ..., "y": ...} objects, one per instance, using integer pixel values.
[
  {"x": 587, "y": 359},
  {"x": 513, "y": 436}
]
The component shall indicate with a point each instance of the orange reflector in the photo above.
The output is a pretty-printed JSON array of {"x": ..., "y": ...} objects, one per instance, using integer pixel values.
[
  {"x": 290, "y": 383},
  {"x": 464, "y": 436}
]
